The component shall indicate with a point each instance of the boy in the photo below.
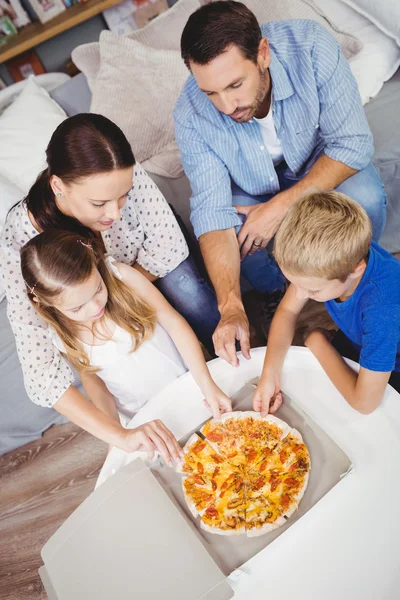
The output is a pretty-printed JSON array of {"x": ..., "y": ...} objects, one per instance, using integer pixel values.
[{"x": 324, "y": 249}]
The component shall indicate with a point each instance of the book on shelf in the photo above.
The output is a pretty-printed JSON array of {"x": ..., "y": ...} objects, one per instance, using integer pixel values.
[
  {"x": 15, "y": 11},
  {"x": 7, "y": 29},
  {"x": 47, "y": 9},
  {"x": 133, "y": 14}
]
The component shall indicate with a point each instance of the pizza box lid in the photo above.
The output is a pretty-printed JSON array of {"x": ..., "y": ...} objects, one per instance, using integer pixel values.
[{"x": 128, "y": 540}]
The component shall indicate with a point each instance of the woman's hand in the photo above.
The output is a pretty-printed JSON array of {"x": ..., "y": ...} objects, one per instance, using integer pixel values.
[
  {"x": 151, "y": 437},
  {"x": 268, "y": 396},
  {"x": 218, "y": 402}
]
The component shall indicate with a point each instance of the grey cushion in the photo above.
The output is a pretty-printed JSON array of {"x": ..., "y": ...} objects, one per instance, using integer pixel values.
[
  {"x": 383, "y": 114},
  {"x": 74, "y": 96},
  {"x": 21, "y": 421}
]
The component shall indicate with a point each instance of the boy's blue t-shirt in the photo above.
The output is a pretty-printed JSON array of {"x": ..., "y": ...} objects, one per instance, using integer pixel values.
[{"x": 370, "y": 318}]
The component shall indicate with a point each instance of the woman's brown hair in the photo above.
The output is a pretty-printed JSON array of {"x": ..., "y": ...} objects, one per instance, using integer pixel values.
[
  {"x": 54, "y": 260},
  {"x": 81, "y": 146}
]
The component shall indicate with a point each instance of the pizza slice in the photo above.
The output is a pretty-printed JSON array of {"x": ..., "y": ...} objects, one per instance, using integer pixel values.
[
  {"x": 198, "y": 495},
  {"x": 226, "y": 435},
  {"x": 264, "y": 431},
  {"x": 199, "y": 457},
  {"x": 226, "y": 515},
  {"x": 264, "y": 504}
]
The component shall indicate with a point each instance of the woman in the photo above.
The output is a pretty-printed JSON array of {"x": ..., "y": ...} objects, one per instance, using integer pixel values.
[{"x": 93, "y": 186}]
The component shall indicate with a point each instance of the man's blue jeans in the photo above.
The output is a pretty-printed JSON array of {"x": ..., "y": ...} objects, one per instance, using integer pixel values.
[
  {"x": 194, "y": 298},
  {"x": 365, "y": 187}
]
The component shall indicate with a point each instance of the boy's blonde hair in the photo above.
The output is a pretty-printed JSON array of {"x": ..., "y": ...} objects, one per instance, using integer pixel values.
[{"x": 324, "y": 234}]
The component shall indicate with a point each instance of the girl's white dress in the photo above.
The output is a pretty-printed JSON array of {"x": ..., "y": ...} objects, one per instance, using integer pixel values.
[{"x": 133, "y": 377}]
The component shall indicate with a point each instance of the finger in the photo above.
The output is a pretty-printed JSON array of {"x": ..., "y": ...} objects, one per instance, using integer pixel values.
[
  {"x": 244, "y": 339},
  {"x": 221, "y": 351},
  {"x": 226, "y": 405},
  {"x": 257, "y": 245},
  {"x": 242, "y": 210},
  {"x": 265, "y": 406},
  {"x": 160, "y": 446},
  {"x": 170, "y": 441},
  {"x": 214, "y": 409},
  {"x": 247, "y": 246},
  {"x": 242, "y": 235},
  {"x": 257, "y": 402},
  {"x": 230, "y": 351},
  {"x": 225, "y": 348},
  {"x": 216, "y": 413},
  {"x": 276, "y": 403},
  {"x": 148, "y": 446}
]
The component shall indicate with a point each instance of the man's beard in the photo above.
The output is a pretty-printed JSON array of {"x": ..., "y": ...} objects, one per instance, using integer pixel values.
[{"x": 253, "y": 109}]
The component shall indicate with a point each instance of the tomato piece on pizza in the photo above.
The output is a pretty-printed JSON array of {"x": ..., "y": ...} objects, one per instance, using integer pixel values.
[{"x": 198, "y": 495}]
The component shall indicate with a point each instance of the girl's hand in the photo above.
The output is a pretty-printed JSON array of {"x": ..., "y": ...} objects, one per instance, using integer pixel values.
[
  {"x": 218, "y": 403},
  {"x": 268, "y": 396},
  {"x": 150, "y": 437}
]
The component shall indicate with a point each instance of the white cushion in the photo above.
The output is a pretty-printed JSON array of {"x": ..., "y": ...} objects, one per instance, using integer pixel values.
[
  {"x": 275, "y": 10},
  {"x": 137, "y": 88},
  {"x": 25, "y": 131},
  {"x": 379, "y": 58},
  {"x": 9, "y": 195},
  {"x": 385, "y": 14}
]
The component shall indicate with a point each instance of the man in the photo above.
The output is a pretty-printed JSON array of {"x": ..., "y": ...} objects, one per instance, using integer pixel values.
[{"x": 267, "y": 113}]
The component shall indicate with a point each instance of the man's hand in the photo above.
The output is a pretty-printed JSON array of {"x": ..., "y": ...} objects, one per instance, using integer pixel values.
[
  {"x": 262, "y": 222},
  {"x": 268, "y": 396},
  {"x": 233, "y": 326}
]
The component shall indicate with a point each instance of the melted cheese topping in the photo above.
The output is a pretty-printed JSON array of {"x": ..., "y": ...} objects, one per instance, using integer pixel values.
[{"x": 258, "y": 478}]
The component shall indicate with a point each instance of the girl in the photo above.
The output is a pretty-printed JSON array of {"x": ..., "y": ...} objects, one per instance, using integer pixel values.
[
  {"x": 93, "y": 186},
  {"x": 118, "y": 330}
]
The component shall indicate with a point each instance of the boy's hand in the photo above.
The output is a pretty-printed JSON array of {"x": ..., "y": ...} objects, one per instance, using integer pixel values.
[
  {"x": 218, "y": 403},
  {"x": 268, "y": 397}
]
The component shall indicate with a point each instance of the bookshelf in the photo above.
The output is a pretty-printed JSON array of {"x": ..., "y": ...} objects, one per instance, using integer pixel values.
[{"x": 35, "y": 33}]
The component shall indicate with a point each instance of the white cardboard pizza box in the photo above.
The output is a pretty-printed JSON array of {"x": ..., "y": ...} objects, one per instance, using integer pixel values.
[
  {"x": 129, "y": 540},
  {"x": 134, "y": 537}
]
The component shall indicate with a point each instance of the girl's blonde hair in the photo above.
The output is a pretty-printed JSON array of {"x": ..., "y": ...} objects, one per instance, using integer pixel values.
[
  {"x": 324, "y": 234},
  {"x": 54, "y": 260}
]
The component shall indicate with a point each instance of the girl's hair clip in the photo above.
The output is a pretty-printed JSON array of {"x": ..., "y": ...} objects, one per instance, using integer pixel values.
[
  {"x": 31, "y": 290},
  {"x": 86, "y": 245}
]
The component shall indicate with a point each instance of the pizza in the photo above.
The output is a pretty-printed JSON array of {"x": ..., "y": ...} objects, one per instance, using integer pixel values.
[{"x": 247, "y": 476}]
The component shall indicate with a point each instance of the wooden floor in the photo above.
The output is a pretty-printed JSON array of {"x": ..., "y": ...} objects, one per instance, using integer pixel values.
[{"x": 43, "y": 482}]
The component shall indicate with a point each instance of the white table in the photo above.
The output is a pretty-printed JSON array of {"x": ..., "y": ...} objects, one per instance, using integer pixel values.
[{"x": 347, "y": 547}]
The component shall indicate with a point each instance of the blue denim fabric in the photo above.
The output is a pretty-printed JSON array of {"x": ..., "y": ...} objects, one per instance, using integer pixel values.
[
  {"x": 365, "y": 187},
  {"x": 193, "y": 298}
]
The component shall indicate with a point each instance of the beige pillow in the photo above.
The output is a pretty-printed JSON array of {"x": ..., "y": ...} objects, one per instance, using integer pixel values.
[
  {"x": 137, "y": 88},
  {"x": 164, "y": 32}
]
